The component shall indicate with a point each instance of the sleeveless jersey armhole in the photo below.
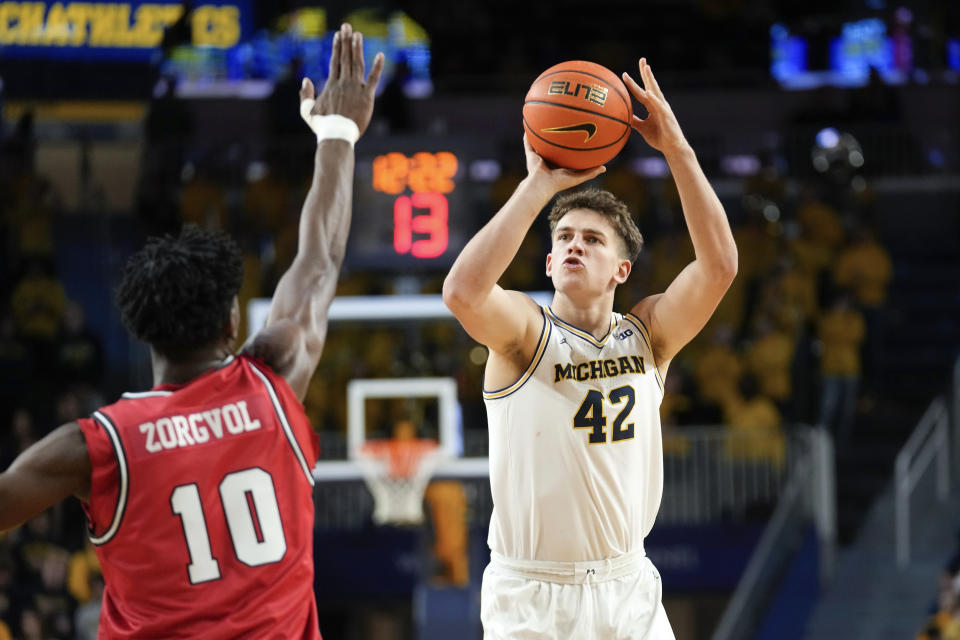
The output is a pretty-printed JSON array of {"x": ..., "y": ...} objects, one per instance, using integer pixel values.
[
  {"x": 545, "y": 331},
  {"x": 645, "y": 336},
  {"x": 110, "y": 481}
]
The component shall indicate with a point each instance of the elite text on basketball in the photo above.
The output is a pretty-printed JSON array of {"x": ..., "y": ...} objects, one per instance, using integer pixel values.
[{"x": 591, "y": 92}]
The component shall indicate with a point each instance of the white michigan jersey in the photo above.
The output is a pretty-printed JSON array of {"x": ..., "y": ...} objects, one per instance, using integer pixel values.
[{"x": 576, "y": 458}]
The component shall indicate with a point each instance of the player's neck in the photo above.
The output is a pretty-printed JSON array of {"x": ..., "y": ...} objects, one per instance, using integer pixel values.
[
  {"x": 187, "y": 366},
  {"x": 592, "y": 316}
]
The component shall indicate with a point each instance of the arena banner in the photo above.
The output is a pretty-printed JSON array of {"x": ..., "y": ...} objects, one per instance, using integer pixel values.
[
  {"x": 120, "y": 31},
  {"x": 708, "y": 557}
]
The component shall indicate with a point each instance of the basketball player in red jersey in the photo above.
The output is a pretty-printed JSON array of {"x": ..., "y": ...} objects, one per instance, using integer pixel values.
[{"x": 199, "y": 491}]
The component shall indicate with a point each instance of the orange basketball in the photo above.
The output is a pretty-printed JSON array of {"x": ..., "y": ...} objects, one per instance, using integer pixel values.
[{"x": 577, "y": 115}]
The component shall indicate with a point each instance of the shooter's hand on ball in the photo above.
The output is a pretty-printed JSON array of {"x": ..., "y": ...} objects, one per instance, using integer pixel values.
[{"x": 550, "y": 180}]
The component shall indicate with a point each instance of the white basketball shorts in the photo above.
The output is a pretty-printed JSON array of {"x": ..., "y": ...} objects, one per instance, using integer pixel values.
[{"x": 616, "y": 599}]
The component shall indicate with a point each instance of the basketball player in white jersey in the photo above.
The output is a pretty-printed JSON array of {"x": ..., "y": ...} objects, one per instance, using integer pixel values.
[{"x": 573, "y": 390}]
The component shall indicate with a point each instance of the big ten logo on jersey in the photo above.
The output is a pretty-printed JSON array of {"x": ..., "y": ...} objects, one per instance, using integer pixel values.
[
  {"x": 591, "y": 92},
  {"x": 623, "y": 335},
  {"x": 177, "y": 431}
]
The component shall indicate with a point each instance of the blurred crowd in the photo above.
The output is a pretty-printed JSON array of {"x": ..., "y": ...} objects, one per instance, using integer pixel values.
[{"x": 51, "y": 368}]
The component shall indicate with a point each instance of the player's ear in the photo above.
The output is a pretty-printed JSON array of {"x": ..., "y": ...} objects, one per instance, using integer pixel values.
[
  {"x": 623, "y": 271},
  {"x": 233, "y": 326},
  {"x": 549, "y": 264}
]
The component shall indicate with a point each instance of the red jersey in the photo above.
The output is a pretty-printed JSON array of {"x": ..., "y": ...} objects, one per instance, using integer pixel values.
[{"x": 201, "y": 508}]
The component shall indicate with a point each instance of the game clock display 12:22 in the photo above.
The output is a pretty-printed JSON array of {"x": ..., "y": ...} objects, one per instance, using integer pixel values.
[{"x": 412, "y": 209}]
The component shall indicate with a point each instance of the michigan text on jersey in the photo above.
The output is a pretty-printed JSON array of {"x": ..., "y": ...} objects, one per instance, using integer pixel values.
[{"x": 594, "y": 369}]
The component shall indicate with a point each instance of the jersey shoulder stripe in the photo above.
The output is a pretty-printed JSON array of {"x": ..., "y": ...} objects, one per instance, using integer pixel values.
[
  {"x": 136, "y": 395},
  {"x": 545, "y": 332},
  {"x": 282, "y": 416},
  {"x": 645, "y": 336},
  {"x": 114, "y": 436}
]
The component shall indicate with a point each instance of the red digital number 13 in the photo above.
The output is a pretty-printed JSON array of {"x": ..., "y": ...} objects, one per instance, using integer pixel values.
[{"x": 433, "y": 224}]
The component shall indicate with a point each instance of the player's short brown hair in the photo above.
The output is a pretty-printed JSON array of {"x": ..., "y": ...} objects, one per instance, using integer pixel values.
[{"x": 606, "y": 204}]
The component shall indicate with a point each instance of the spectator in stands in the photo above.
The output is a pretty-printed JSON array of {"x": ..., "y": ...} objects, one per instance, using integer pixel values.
[
  {"x": 810, "y": 256},
  {"x": 87, "y": 618},
  {"x": 864, "y": 267},
  {"x": 840, "y": 331},
  {"x": 820, "y": 221},
  {"x": 79, "y": 351},
  {"x": 38, "y": 302},
  {"x": 755, "y": 425},
  {"x": 31, "y": 626},
  {"x": 50, "y": 596},
  {"x": 760, "y": 240},
  {"x": 84, "y": 565},
  {"x": 719, "y": 368},
  {"x": 769, "y": 358},
  {"x": 793, "y": 297},
  {"x": 30, "y": 215}
]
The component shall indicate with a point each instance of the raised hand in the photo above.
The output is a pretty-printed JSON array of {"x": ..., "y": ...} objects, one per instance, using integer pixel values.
[
  {"x": 660, "y": 128},
  {"x": 346, "y": 93}
]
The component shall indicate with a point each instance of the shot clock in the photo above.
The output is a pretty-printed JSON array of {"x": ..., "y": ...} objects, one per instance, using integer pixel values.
[
  {"x": 416, "y": 203},
  {"x": 421, "y": 220}
]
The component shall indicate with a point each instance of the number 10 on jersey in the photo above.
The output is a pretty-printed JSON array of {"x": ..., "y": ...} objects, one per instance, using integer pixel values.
[{"x": 249, "y": 503}]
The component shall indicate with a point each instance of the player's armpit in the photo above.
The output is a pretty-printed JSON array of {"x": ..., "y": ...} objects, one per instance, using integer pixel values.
[
  {"x": 284, "y": 347},
  {"x": 49, "y": 471},
  {"x": 506, "y": 322}
]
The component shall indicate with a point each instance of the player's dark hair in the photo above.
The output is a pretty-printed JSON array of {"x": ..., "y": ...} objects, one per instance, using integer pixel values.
[
  {"x": 176, "y": 293},
  {"x": 606, "y": 204}
]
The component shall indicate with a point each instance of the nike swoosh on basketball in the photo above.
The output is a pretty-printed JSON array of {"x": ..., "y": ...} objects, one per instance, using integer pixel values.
[{"x": 587, "y": 127}]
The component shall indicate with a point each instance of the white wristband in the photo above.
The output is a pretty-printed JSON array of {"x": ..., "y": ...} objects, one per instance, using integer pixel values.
[{"x": 334, "y": 126}]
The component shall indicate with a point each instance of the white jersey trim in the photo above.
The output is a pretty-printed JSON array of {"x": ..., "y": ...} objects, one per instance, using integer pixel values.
[
  {"x": 111, "y": 430},
  {"x": 645, "y": 336},
  {"x": 136, "y": 395},
  {"x": 544, "y": 340},
  {"x": 291, "y": 438}
]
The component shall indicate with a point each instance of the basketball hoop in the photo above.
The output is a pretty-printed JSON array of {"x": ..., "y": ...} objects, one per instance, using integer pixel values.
[{"x": 397, "y": 471}]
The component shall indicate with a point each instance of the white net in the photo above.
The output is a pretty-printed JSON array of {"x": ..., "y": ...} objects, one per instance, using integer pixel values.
[{"x": 397, "y": 472}]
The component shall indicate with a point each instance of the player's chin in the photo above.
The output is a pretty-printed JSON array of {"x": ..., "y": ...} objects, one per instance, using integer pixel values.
[{"x": 569, "y": 281}]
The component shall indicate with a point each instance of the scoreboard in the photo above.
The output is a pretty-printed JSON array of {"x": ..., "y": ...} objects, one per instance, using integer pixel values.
[{"x": 416, "y": 202}]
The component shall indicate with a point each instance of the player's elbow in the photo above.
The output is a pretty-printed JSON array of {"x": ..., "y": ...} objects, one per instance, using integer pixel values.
[
  {"x": 729, "y": 264},
  {"x": 460, "y": 294},
  {"x": 723, "y": 269},
  {"x": 454, "y": 294}
]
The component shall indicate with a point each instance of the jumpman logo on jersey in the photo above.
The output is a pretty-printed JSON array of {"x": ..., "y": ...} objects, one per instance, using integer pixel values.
[{"x": 563, "y": 341}]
